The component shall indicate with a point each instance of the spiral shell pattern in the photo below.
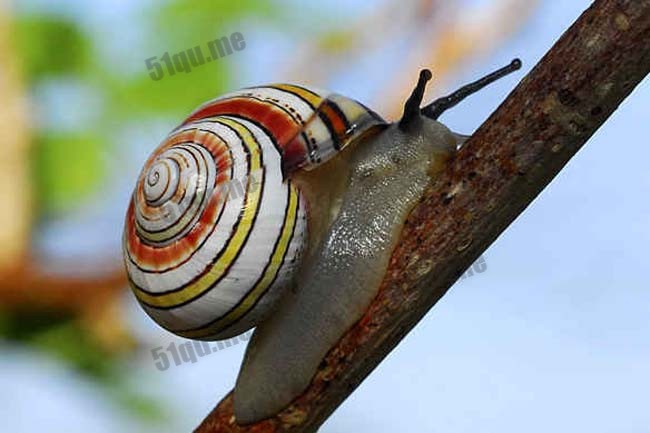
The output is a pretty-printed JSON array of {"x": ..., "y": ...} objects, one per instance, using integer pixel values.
[{"x": 215, "y": 229}]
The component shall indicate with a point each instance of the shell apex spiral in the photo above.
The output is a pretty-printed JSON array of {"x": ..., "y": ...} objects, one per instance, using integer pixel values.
[{"x": 215, "y": 230}]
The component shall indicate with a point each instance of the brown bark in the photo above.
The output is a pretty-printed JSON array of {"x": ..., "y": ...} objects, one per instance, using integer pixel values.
[{"x": 500, "y": 171}]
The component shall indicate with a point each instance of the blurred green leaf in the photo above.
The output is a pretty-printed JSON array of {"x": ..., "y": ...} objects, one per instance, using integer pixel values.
[
  {"x": 192, "y": 22},
  {"x": 51, "y": 46},
  {"x": 71, "y": 344},
  {"x": 67, "y": 167},
  {"x": 59, "y": 335},
  {"x": 337, "y": 40},
  {"x": 183, "y": 25},
  {"x": 23, "y": 325},
  {"x": 173, "y": 95}
]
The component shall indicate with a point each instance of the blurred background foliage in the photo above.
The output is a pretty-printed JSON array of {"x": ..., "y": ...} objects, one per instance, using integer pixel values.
[
  {"x": 62, "y": 62},
  {"x": 76, "y": 92},
  {"x": 78, "y": 63}
]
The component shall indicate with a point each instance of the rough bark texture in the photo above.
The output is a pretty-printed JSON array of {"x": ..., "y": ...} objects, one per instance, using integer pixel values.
[{"x": 499, "y": 172}]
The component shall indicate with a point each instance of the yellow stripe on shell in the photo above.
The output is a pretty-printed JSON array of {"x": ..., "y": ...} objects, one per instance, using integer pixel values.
[
  {"x": 263, "y": 284},
  {"x": 313, "y": 99}
]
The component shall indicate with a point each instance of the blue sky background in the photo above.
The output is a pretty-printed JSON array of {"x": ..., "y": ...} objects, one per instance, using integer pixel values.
[{"x": 554, "y": 336}]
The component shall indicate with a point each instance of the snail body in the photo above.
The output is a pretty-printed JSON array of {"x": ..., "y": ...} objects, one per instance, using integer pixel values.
[
  {"x": 278, "y": 207},
  {"x": 387, "y": 178}
]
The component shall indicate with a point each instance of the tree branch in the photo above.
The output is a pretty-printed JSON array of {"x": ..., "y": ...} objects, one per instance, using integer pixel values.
[
  {"x": 499, "y": 172},
  {"x": 28, "y": 286}
]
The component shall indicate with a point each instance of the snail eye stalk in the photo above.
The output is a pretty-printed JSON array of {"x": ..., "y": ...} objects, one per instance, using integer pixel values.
[
  {"x": 412, "y": 105},
  {"x": 439, "y": 106}
]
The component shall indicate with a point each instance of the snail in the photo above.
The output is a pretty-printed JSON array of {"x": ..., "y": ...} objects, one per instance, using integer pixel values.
[{"x": 278, "y": 207}]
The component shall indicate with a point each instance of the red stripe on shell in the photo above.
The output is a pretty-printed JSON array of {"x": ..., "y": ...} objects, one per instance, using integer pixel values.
[{"x": 283, "y": 128}]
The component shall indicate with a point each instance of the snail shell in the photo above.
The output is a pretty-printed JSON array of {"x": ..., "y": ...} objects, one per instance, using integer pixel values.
[{"x": 216, "y": 227}]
